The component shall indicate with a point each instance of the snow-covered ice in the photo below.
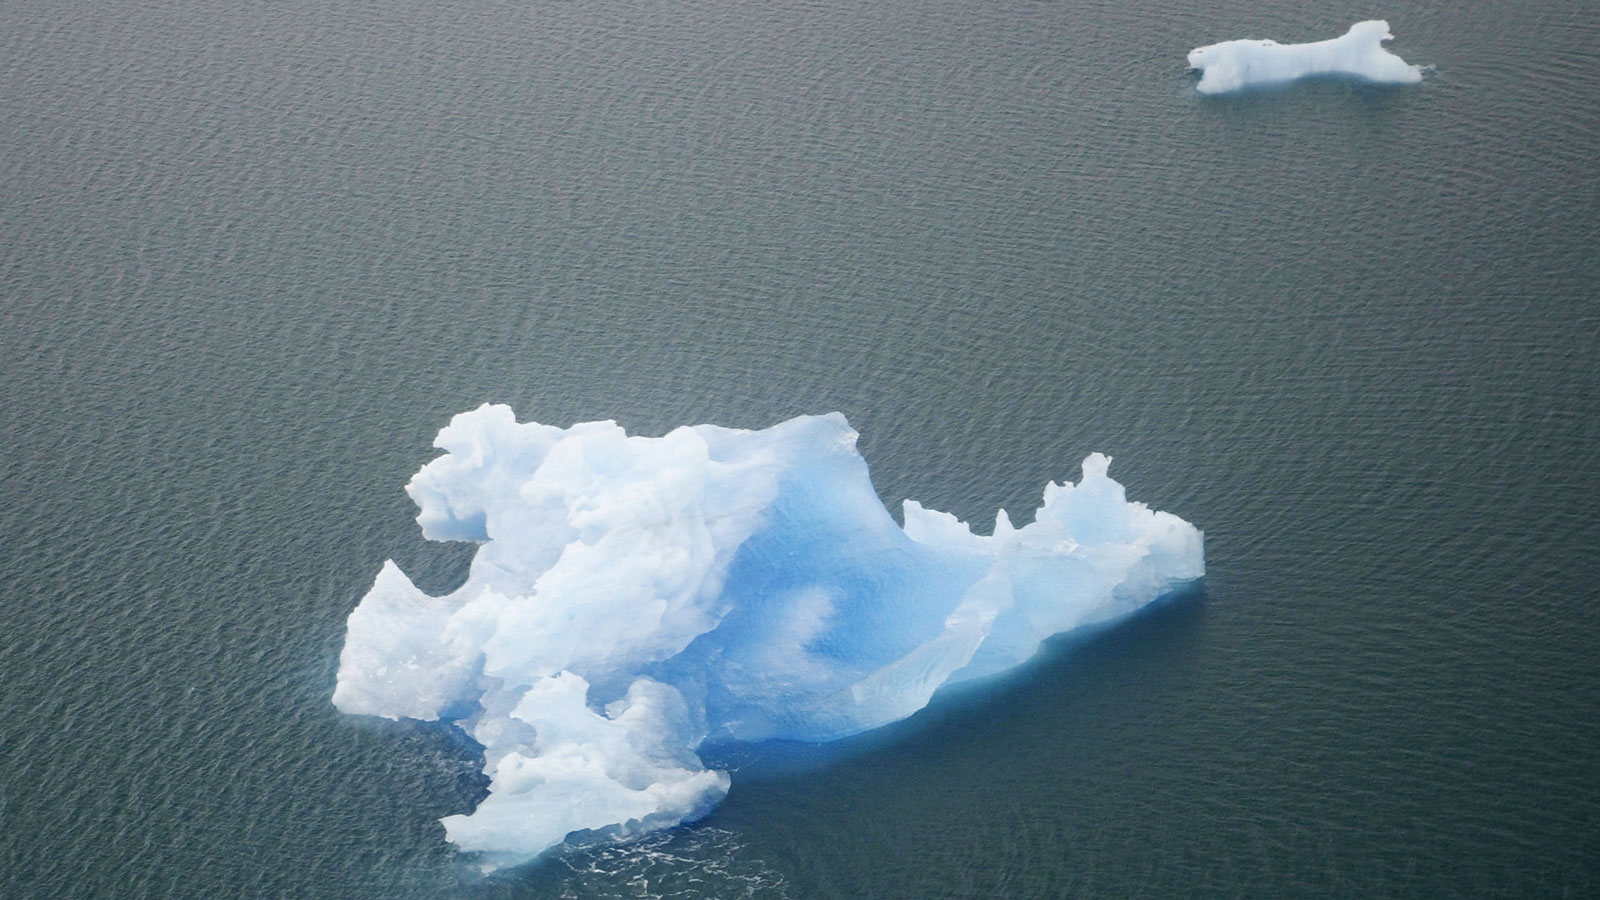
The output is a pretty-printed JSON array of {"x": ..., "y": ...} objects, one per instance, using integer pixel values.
[
  {"x": 634, "y": 598},
  {"x": 1234, "y": 65}
]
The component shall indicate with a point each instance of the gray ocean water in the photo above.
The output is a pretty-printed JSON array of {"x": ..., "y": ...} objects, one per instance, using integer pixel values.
[{"x": 253, "y": 255}]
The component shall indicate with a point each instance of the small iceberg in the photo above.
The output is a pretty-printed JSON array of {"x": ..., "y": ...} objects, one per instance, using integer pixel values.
[{"x": 1236, "y": 65}]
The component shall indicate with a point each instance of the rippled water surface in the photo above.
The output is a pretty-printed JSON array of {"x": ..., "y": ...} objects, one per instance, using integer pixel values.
[{"x": 252, "y": 255}]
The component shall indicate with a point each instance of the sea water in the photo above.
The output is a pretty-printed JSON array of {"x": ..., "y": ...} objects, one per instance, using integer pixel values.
[{"x": 254, "y": 255}]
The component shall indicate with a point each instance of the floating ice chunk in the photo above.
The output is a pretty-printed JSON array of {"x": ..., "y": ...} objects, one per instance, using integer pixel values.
[
  {"x": 630, "y": 769},
  {"x": 1233, "y": 65},
  {"x": 634, "y": 598}
]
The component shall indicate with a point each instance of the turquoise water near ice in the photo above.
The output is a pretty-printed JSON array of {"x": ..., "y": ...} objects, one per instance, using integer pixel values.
[{"x": 255, "y": 255}]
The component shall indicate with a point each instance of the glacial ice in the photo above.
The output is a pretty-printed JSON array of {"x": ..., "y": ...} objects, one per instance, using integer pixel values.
[
  {"x": 634, "y": 598},
  {"x": 1235, "y": 65}
]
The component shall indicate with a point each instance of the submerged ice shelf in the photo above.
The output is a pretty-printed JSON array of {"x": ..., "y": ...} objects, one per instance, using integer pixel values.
[
  {"x": 1236, "y": 65},
  {"x": 634, "y": 598}
]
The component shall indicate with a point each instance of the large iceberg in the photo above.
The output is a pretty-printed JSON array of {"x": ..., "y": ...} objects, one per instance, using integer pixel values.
[
  {"x": 1234, "y": 65},
  {"x": 634, "y": 598}
]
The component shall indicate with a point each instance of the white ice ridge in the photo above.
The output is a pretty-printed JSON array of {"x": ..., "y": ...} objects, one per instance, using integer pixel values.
[
  {"x": 633, "y": 598},
  {"x": 1234, "y": 65}
]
